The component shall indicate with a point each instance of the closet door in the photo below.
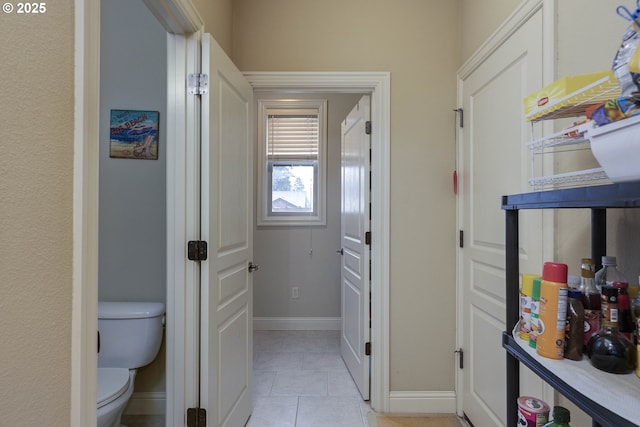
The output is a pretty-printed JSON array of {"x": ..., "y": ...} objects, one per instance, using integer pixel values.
[{"x": 494, "y": 161}]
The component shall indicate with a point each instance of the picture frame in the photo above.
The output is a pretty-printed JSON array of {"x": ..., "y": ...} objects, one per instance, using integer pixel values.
[{"x": 134, "y": 134}]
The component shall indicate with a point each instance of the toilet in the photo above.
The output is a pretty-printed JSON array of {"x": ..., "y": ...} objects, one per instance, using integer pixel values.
[{"x": 129, "y": 337}]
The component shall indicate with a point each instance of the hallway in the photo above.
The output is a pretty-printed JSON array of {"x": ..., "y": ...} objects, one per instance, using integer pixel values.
[{"x": 300, "y": 380}]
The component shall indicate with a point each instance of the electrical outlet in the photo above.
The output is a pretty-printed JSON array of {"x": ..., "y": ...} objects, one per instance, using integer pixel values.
[{"x": 294, "y": 292}]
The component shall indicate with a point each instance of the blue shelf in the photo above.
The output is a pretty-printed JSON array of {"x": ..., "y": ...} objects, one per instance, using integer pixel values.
[
  {"x": 597, "y": 412},
  {"x": 625, "y": 195},
  {"x": 598, "y": 199}
]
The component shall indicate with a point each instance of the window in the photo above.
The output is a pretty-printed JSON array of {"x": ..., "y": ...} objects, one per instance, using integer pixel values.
[{"x": 292, "y": 153}]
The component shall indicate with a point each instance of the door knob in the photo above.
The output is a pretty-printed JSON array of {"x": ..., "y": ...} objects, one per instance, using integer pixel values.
[
  {"x": 253, "y": 267},
  {"x": 340, "y": 251}
]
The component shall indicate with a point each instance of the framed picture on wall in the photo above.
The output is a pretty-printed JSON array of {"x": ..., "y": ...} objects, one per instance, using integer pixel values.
[{"x": 134, "y": 134}]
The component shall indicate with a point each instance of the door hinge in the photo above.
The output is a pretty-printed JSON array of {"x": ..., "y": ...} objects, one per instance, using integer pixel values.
[
  {"x": 461, "y": 239},
  {"x": 367, "y": 238},
  {"x": 198, "y": 84},
  {"x": 367, "y": 127},
  {"x": 197, "y": 250},
  {"x": 196, "y": 417},
  {"x": 461, "y": 111},
  {"x": 367, "y": 349},
  {"x": 460, "y": 358}
]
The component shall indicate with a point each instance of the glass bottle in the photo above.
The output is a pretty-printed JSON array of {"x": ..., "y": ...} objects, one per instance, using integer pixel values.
[
  {"x": 590, "y": 298},
  {"x": 608, "y": 349},
  {"x": 561, "y": 417},
  {"x": 625, "y": 321},
  {"x": 574, "y": 333},
  {"x": 609, "y": 273}
]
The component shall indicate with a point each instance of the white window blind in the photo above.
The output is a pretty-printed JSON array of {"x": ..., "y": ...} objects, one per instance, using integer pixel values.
[
  {"x": 293, "y": 136},
  {"x": 292, "y": 155}
]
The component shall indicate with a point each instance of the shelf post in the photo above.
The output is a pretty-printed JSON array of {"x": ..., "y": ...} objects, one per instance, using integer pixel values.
[
  {"x": 512, "y": 273},
  {"x": 598, "y": 235}
]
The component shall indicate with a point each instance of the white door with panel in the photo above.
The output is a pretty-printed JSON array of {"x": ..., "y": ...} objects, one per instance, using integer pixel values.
[
  {"x": 495, "y": 161},
  {"x": 227, "y": 207},
  {"x": 355, "y": 226}
]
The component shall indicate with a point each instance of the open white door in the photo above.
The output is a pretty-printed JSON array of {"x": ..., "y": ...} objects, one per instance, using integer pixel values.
[
  {"x": 356, "y": 223},
  {"x": 227, "y": 207}
]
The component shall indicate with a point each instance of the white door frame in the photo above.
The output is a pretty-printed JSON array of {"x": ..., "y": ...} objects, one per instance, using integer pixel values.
[{"x": 378, "y": 85}]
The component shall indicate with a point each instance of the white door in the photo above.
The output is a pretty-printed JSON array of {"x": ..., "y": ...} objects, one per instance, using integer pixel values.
[
  {"x": 226, "y": 287},
  {"x": 356, "y": 145},
  {"x": 495, "y": 162}
]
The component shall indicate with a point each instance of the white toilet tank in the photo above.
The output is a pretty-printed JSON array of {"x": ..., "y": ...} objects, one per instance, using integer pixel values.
[{"x": 130, "y": 333}]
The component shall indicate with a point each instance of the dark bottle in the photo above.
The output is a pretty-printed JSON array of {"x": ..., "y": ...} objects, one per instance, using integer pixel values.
[
  {"x": 574, "y": 332},
  {"x": 590, "y": 298},
  {"x": 625, "y": 320},
  {"x": 608, "y": 349},
  {"x": 561, "y": 417}
]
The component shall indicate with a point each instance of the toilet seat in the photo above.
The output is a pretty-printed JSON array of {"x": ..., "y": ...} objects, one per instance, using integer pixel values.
[{"x": 112, "y": 383}]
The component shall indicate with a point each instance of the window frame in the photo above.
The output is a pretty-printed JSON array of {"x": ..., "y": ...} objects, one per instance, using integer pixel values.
[{"x": 265, "y": 215}]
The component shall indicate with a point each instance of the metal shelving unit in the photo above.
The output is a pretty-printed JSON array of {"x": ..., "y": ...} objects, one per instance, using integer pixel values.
[
  {"x": 598, "y": 199},
  {"x": 572, "y": 139}
]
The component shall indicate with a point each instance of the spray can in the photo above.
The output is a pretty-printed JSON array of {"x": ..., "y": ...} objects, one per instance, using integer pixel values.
[{"x": 553, "y": 310}]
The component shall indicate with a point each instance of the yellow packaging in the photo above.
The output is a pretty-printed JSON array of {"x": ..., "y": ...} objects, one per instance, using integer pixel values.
[
  {"x": 553, "y": 311},
  {"x": 525, "y": 305},
  {"x": 559, "y": 93}
]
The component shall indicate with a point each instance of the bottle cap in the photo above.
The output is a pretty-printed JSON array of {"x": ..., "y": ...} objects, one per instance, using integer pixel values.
[
  {"x": 575, "y": 294},
  {"x": 535, "y": 292},
  {"x": 588, "y": 268},
  {"x": 620, "y": 285},
  {"x": 527, "y": 283},
  {"x": 573, "y": 281},
  {"x": 561, "y": 415},
  {"x": 554, "y": 272}
]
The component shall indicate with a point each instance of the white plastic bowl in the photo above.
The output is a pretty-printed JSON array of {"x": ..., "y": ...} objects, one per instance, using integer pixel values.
[{"x": 616, "y": 146}]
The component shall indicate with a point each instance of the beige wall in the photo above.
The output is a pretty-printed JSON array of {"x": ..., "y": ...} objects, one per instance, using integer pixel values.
[
  {"x": 479, "y": 19},
  {"x": 217, "y": 15},
  {"x": 417, "y": 41},
  {"x": 36, "y": 170}
]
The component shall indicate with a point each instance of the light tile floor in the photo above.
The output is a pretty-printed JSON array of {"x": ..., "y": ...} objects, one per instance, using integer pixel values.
[{"x": 300, "y": 380}]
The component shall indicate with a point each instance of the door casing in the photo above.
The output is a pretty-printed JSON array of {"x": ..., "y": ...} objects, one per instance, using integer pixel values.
[{"x": 378, "y": 85}]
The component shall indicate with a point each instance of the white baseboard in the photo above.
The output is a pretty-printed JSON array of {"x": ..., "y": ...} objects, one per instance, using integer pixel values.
[
  {"x": 422, "y": 402},
  {"x": 147, "y": 403},
  {"x": 297, "y": 323}
]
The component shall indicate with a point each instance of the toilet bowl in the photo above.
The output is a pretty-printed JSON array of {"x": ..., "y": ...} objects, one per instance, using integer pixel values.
[
  {"x": 115, "y": 387},
  {"x": 130, "y": 334}
]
